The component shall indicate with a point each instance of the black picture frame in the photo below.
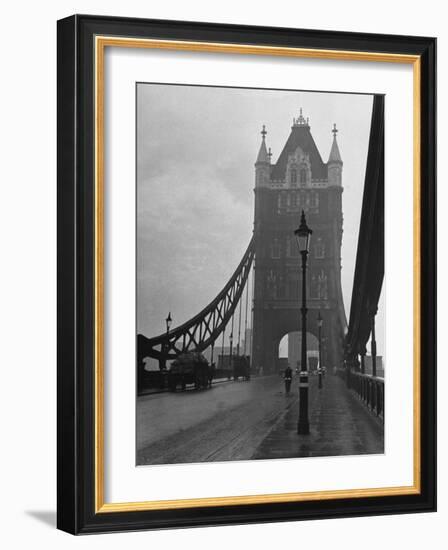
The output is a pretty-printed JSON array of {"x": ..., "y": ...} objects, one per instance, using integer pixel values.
[{"x": 76, "y": 512}]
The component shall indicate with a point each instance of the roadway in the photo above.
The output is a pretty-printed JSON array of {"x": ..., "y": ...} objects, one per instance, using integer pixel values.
[
  {"x": 227, "y": 422},
  {"x": 253, "y": 420}
]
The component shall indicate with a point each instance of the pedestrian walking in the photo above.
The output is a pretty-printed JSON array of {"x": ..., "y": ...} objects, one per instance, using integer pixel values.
[{"x": 288, "y": 379}]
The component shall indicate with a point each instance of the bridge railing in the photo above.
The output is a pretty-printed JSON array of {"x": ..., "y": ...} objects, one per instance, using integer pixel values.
[{"x": 370, "y": 389}]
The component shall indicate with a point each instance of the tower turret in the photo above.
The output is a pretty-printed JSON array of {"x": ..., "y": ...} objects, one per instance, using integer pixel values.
[
  {"x": 334, "y": 163},
  {"x": 263, "y": 162}
]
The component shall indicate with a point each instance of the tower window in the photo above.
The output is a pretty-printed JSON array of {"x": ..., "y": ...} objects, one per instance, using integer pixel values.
[
  {"x": 314, "y": 200},
  {"x": 322, "y": 283},
  {"x": 293, "y": 175},
  {"x": 271, "y": 285},
  {"x": 314, "y": 288},
  {"x": 303, "y": 175},
  {"x": 319, "y": 250},
  {"x": 292, "y": 250},
  {"x": 282, "y": 200},
  {"x": 294, "y": 200}
]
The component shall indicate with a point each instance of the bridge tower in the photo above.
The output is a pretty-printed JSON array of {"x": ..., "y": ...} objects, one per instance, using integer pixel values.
[{"x": 299, "y": 180}]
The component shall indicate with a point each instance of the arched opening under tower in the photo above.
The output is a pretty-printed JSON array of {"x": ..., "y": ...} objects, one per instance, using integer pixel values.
[{"x": 290, "y": 351}]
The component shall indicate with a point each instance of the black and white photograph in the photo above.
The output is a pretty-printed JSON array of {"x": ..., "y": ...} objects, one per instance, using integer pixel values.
[
  {"x": 226, "y": 214},
  {"x": 260, "y": 261}
]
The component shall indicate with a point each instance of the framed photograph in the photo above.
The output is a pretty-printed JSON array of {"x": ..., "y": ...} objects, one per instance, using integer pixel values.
[{"x": 246, "y": 274}]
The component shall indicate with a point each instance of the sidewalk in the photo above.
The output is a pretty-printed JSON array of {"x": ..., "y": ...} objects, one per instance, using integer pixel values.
[{"x": 339, "y": 425}]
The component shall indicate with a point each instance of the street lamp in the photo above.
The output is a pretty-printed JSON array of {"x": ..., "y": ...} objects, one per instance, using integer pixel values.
[
  {"x": 168, "y": 322},
  {"x": 319, "y": 325},
  {"x": 303, "y": 236},
  {"x": 231, "y": 348}
]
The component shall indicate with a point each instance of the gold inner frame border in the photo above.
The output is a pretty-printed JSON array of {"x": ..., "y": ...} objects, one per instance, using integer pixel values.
[{"x": 100, "y": 44}]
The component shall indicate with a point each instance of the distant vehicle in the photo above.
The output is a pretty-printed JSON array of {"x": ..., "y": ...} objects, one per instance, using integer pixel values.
[
  {"x": 189, "y": 368},
  {"x": 241, "y": 367}
]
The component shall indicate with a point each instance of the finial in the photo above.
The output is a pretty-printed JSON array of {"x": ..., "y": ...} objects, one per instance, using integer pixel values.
[
  {"x": 263, "y": 132},
  {"x": 335, "y": 155},
  {"x": 300, "y": 121}
]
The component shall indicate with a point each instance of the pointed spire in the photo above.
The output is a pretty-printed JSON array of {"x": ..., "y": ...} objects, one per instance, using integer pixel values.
[
  {"x": 263, "y": 155},
  {"x": 335, "y": 155}
]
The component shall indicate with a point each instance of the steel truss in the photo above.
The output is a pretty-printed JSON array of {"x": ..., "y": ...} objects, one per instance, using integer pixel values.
[{"x": 203, "y": 330}]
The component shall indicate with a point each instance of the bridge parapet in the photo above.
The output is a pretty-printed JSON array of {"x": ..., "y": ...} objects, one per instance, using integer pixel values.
[
  {"x": 370, "y": 389},
  {"x": 369, "y": 272}
]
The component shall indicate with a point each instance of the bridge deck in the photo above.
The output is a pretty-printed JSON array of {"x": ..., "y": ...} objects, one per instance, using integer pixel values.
[
  {"x": 339, "y": 425},
  {"x": 246, "y": 420}
]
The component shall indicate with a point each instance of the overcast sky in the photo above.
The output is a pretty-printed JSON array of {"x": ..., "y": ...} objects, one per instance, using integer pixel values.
[{"x": 196, "y": 148}]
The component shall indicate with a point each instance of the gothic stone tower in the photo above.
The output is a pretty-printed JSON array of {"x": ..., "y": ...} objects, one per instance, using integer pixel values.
[{"x": 300, "y": 180}]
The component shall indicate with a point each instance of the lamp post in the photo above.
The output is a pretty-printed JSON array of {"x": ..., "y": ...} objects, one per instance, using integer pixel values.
[
  {"x": 319, "y": 325},
  {"x": 324, "y": 355},
  {"x": 231, "y": 349},
  {"x": 303, "y": 236},
  {"x": 168, "y": 322}
]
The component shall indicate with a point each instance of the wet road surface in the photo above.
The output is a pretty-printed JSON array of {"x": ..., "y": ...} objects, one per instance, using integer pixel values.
[
  {"x": 253, "y": 420},
  {"x": 227, "y": 422}
]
